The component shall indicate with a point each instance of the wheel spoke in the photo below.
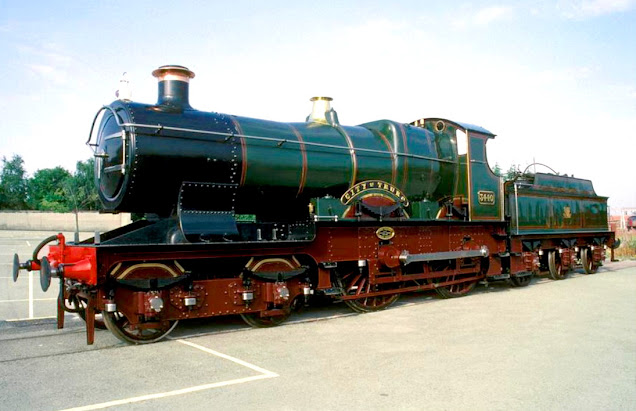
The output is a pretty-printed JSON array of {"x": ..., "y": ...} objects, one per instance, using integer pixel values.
[
  {"x": 361, "y": 286},
  {"x": 454, "y": 290}
]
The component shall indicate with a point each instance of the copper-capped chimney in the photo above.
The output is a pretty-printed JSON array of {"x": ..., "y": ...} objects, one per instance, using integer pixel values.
[{"x": 173, "y": 86}]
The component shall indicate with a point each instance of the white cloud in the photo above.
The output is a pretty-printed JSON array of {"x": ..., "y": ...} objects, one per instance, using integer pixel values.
[
  {"x": 592, "y": 8},
  {"x": 49, "y": 52},
  {"x": 482, "y": 17},
  {"x": 41, "y": 69},
  {"x": 491, "y": 14},
  {"x": 47, "y": 61}
]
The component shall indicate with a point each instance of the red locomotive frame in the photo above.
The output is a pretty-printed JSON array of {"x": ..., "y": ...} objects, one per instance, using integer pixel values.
[{"x": 350, "y": 261}]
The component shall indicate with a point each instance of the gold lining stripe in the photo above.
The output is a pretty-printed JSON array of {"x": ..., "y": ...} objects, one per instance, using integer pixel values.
[
  {"x": 295, "y": 260},
  {"x": 243, "y": 151},
  {"x": 147, "y": 265},
  {"x": 394, "y": 158},
  {"x": 303, "y": 151},
  {"x": 352, "y": 152},
  {"x": 344, "y": 214},
  {"x": 405, "y": 150},
  {"x": 469, "y": 183},
  {"x": 488, "y": 218},
  {"x": 179, "y": 266},
  {"x": 270, "y": 260},
  {"x": 114, "y": 270}
]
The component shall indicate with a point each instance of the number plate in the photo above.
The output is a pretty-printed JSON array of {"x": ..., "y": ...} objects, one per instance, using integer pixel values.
[{"x": 486, "y": 197}]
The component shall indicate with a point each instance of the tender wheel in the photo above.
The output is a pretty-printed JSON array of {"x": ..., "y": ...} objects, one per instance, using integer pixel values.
[
  {"x": 557, "y": 272},
  {"x": 521, "y": 281},
  {"x": 142, "y": 333},
  {"x": 588, "y": 261},
  {"x": 356, "y": 283}
]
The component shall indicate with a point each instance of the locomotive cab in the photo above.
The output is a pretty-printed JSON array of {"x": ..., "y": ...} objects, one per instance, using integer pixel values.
[{"x": 477, "y": 194}]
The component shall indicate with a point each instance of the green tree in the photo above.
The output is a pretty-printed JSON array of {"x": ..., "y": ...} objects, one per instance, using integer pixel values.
[
  {"x": 46, "y": 190},
  {"x": 80, "y": 189},
  {"x": 13, "y": 184},
  {"x": 513, "y": 172},
  {"x": 497, "y": 170}
]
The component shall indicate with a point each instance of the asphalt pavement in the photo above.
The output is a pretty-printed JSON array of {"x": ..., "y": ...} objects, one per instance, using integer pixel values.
[{"x": 554, "y": 345}]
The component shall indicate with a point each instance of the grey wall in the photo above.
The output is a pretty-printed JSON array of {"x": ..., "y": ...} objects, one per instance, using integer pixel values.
[{"x": 44, "y": 221}]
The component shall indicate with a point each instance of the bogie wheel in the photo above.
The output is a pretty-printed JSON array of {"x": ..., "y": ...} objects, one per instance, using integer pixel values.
[
  {"x": 99, "y": 318},
  {"x": 256, "y": 321},
  {"x": 78, "y": 305},
  {"x": 557, "y": 272},
  {"x": 142, "y": 333},
  {"x": 356, "y": 283},
  {"x": 271, "y": 265},
  {"x": 521, "y": 281},
  {"x": 587, "y": 261}
]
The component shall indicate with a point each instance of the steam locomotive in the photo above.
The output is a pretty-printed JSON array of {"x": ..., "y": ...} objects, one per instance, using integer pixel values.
[{"x": 253, "y": 217}]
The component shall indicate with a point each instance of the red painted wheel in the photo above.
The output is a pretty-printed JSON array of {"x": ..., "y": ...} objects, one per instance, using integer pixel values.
[
  {"x": 76, "y": 304},
  {"x": 99, "y": 318},
  {"x": 256, "y": 321},
  {"x": 557, "y": 271},
  {"x": 272, "y": 265},
  {"x": 587, "y": 261},
  {"x": 465, "y": 282},
  {"x": 455, "y": 290},
  {"x": 356, "y": 283},
  {"x": 142, "y": 333},
  {"x": 521, "y": 281}
]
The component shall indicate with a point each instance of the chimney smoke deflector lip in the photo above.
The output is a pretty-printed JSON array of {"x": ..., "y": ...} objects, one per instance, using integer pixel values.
[{"x": 173, "y": 86}]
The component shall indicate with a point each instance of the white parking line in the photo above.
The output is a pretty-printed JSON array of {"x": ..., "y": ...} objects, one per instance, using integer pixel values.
[
  {"x": 169, "y": 393},
  {"x": 263, "y": 375},
  {"x": 34, "y": 318},
  {"x": 229, "y": 358},
  {"x": 30, "y": 294},
  {"x": 24, "y": 299}
]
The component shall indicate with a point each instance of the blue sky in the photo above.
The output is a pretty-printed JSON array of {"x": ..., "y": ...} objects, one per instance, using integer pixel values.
[{"x": 555, "y": 80}]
